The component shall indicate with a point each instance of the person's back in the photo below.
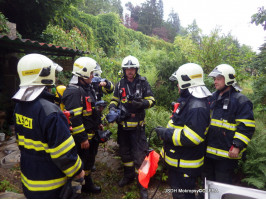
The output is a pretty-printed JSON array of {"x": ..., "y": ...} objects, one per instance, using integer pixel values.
[
  {"x": 48, "y": 153},
  {"x": 184, "y": 138}
]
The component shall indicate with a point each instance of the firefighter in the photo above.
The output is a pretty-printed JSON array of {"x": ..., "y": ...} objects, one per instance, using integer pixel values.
[
  {"x": 48, "y": 153},
  {"x": 79, "y": 98},
  {"x": 232, "y": 126},
  {"x": 101, "y": 86},
  {"x": 183, "y": 139},
  {"x": 132, "y": 96}
]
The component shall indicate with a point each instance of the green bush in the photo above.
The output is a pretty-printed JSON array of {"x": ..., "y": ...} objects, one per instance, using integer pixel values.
[
  {"x": 254, "y": 167},
  {"x": 3, "y": 27}
]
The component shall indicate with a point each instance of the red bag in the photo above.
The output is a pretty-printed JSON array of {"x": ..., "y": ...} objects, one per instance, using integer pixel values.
[{"x": 148, "y": 168}]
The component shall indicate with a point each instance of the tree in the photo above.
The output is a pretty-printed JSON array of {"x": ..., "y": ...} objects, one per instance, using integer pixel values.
[
  {"x": 134, "y": 11},
  {"x": 149, "y": 17},
  {"x": 259, "y": 18},
  {"x": 130, "y": 23},
  {"x": 33, "y": 16},
  {"x": 172, "y": 25},
  {"x": 96, "y": 7},
  {"x": 160, "y": 9},
  {"x": 161, "y": 33},
  {"x": 195, "y": 31}
]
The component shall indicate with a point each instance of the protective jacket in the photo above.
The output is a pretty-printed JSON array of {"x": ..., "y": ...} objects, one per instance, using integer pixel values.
[
  {"x": 125, "y": 93},
  {"x": 48, "y": 153},
  {"x": 184, "y": 146},
  {"x": 232, "y": 123},
  {"x": 81, "y": 100}
]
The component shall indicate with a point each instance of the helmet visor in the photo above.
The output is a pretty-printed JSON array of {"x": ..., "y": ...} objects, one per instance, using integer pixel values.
[
  {"x": 130, "y": 64},
  {"x": 173, "y": 77},
  {"x": 57, "y": 67},
  {"x": 97, "y": 70},
  {"x": 215, "y": 73}
]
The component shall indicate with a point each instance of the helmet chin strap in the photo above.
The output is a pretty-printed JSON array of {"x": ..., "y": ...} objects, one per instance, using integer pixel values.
[{"x": 81, "y": 80}]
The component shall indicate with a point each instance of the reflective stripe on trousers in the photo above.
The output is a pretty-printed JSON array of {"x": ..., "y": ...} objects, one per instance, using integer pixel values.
[{"x": 182, "y": 163}]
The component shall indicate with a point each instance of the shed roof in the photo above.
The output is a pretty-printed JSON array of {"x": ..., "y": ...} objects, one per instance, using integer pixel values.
[{"x": 14, "y": 44}]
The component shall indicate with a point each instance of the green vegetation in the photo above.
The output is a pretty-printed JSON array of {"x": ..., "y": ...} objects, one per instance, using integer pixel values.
[{"x": 5, "y": 185}]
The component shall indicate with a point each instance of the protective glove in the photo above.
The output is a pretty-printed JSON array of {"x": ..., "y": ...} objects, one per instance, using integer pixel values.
[
  {"x": 161, "y": 132},
  {"x": 137, "y": 104}
]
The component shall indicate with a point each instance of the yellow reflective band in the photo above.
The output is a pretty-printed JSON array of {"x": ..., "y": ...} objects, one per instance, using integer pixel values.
[
  {"x": 191, "y": 163},
  {"x": 223, "y": 124},
  {"x": 114, "y": 102},
  {"x": 150, "y": 98},
  {"x": 129, "y": 164},
  {"x": 73, "y": 170},
  {"x": 62, "y": 148},
  {"x": 176, "y": 137},
  {"x": 90, "y": 135},
  {"x": 168, "y": 160},
  {"x": 247, "y": 122},
  {"x": 77, "y": 111},
  {"x": 43, "y": 185},
  {"x": 104, "y": 90},
  {"x": 242, "y": 137},
  {"x": 114, "y": 98},
  {"x": 192, "y": 135},
  {"x": 196, "y": 76},
  {"x": 206, "y": 131},
  {"x": 31, "y": 72},
  {"x": 78, "y": 129},
  {"x": 31, "y": 144},
  {"x": 222, "y": 153},
  {"x": 24, "y": 121},
  {"x": 77, "y": 65},
  {"x": 150, "y": 103},
  {"x": 131, "y": 124},
  {"x": 171, "y": 125},
  {"x": 86, "y": 113},
  {"x": 112, "y": 87}
]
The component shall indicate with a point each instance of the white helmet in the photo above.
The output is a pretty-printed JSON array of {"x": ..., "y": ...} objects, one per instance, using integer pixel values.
[
  {"x": 37, "y": 69},
  {"x": 227, "y": 71},
  {"x": 130, "y": 62},
  {"x": 188, "y": 75},
  {"x": 83, "y": 67}
]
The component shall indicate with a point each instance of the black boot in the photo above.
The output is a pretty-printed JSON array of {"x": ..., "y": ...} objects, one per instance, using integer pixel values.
[
  {"x": 142, "y": 191},
  {"x": 125, "y": 181},
  {"x": 129, "y": 176},
  {"x": 89, "y": 186}
]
